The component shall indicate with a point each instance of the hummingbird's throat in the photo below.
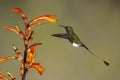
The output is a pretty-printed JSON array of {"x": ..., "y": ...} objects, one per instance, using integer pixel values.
[{"x": 75, "y": 44}]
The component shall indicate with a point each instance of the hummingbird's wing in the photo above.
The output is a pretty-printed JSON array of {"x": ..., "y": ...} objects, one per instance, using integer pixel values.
[{"x": 62, "y": 35}]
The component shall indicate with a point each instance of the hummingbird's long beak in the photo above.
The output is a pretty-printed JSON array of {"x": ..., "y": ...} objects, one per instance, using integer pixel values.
[{"x": 62, "y": 26}]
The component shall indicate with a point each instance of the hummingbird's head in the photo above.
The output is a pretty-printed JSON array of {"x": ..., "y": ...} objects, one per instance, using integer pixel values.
[{"x": 68, "y": 28}]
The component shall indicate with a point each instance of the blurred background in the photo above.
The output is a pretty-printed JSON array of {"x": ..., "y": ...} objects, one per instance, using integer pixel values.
[{"x": 96, "y": 22}]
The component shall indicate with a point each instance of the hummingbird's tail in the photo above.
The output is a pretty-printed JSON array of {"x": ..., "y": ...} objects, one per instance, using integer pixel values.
[{"x": 105, "y": 62}]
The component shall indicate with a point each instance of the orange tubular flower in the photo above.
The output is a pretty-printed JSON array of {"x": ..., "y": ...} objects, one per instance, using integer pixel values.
[
  {"x": 11, "y": 29},
  {"x": 18, "y": 57},
  {"x": 11, "y": 76},
  {"x": 7, "y": 58},
  {"x": 21, "y": 70},
  {"x": 18, "y": 10},
  {"x": 38, "y": 67},
  {"x": 30, "y": 60},
  {"x": 35, "y": 24},
  {"x": 17, "y": 30},
  {"x": 19, "y": 54},
  {"x": 35, "y": 44},
  {"x": 50, "y": 18},
  {"x": 31, "y": 55},
  {"x": 3, "y": 77},
  {"x": 27, "y": 59}
]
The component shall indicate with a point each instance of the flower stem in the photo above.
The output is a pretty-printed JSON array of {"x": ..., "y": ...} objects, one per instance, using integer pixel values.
[
  {"x": 25, "y": 58},
  {"x": 25, "y": 55}
]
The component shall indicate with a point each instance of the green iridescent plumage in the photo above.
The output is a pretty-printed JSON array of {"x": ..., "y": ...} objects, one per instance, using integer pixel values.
[{"x": 74, "y": 39}]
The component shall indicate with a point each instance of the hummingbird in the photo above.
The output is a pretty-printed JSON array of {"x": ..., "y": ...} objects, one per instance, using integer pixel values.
[{"x": 76, "y": 42}]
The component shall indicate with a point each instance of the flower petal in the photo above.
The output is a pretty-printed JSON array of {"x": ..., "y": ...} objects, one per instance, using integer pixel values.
[
  {"x": 3, "y": 77},
  {"x": 30, "y": 58},
  {"x": 31, "y": 55},
  {"x": 35, "y": 25},
  {"x": 7, "y": 58},
  {"x": 11, "y": 29},
  {"x": 11, "y": 76},
  {"x": 38, "y": 67},
  {"x": 17, "y": 30},
  {"x": 35, "y": 44},
  {"x": 50, "y": 18},
  {"x": 18, "y": 10}
]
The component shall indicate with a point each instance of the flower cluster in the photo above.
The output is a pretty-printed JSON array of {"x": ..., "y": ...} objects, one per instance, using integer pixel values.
[{"x": 27, "y": 58}]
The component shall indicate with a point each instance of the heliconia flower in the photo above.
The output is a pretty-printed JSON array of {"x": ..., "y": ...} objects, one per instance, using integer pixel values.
[
  {"x": 18, "y": 10},
  {"x": 38, "y": 67},
  {"x": 7, "y": 58},
  {"x": 11, "y": 76},
  {"x": 50, "y": 18},
  {"x": 3, "y": 77}
]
